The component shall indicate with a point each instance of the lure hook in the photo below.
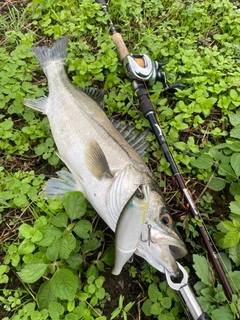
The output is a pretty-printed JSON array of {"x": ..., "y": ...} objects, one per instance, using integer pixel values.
[{"x": 149, "y": 240}]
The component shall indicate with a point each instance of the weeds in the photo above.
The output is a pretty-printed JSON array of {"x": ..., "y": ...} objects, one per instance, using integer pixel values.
[{"x": 60, "y": 258}]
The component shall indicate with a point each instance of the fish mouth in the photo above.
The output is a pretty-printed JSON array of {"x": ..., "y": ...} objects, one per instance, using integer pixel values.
[
  {"x": 175, "y": 246},
  {"x": 161, "y": 248}
]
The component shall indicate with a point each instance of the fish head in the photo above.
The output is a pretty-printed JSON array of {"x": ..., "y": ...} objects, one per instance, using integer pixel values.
[{"x": 160, "y": 242}]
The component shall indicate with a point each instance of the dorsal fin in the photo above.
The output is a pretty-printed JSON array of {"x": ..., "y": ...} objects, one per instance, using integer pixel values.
[
  {"x": 136, "y": 139},
  {"x": 95, "y": 94}
]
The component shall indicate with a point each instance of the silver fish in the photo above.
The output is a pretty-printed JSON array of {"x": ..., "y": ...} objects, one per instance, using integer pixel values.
[{"x": 103, "y": 165}]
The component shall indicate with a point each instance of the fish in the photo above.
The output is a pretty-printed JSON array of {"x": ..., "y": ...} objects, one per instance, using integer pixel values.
[{"x": 105, "y": 164}]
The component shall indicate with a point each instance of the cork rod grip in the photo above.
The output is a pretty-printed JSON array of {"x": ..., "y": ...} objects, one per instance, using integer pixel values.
[{"x": 120, "y": 46}]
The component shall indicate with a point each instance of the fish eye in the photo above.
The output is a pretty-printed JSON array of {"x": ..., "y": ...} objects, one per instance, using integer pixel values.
[
  {"x": 139, "y": 194},
  {"x": 166, "y": 219}
]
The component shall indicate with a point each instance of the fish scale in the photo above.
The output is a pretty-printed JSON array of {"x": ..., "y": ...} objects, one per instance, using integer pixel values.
[{"x": 105, "y": 168}]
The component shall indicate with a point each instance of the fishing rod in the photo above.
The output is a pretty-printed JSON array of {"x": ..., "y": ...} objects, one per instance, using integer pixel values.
[{"x": 142, "y": 71}]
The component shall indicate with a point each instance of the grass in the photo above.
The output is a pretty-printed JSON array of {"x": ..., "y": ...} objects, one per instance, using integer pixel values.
[{"x": 200, "y": 41}]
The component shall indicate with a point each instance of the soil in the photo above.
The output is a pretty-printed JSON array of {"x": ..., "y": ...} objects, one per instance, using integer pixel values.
[{"x": 129, "y": 288}]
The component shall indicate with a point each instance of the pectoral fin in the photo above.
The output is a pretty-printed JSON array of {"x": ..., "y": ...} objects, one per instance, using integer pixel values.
[
  {"x": 39, "y": 104},
  {"x": 96, "y": 161}
]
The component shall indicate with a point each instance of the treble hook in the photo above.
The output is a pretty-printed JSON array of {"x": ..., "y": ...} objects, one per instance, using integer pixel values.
[{"x": 149, "y": 240}]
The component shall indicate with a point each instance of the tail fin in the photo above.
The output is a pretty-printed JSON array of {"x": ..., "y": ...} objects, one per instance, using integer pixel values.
[{"x": 57, "y": 52}]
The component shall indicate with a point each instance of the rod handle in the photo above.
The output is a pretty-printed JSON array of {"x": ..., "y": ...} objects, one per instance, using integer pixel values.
[{"x": 120, "y": 46}]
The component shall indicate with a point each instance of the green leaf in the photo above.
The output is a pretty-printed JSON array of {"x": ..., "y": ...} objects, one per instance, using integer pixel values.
[
  {"x": 231, "y": 239},
  {"x": 90, "y": 245},
  {"x": 205, "y": 161},
  {"x": 67, "y": 245},
  {"x": 4, "y": 269},
  {"x": 32, "y": 271},
  {"x": 207, "y": 292},
  {"x": 82, "y": 296},
  {"x": 75, "y": 205},
  {"x": 82, "y": 229},
  {"x": 146, "y": 307},
  {"x": 229, "y": 225},
  {"x": 222, "y": 312},
  {"x": 217, "y": 184},
  {"x": 29, "y": 232},
  {"x": 235, "y": 189},
  {"x": 26, "y": 247},
  {"x": 153, "y": 293},
  {"x": 225, "y": 261},
  {"x": 191, "y": 144},
  {"x": 204, "y": 303},
  {"x": 234, "y": 254},
  {"x": 99, "y": 282},
  {"x": 234, "y": 118},
  {"x": 235, "y": 163},
  {"x": 180, "y": 145},
  {"x": 166, "y": 302},
  {"x": 45, "y": 295},
  {"x": 37, "y": 236},
  {"x": 233, "y": 94},
  {"x": 235, "y": 132},
  {"x": 71, "y": 306},
  {"x": 220, "y": 294},
  {"x": 233, "y": 145},
  {"x": 115, "y": 313},
  {"x": 71, "y": 316},
  {"x": 60, "y": 220},
  {"x": 50, "y": 234},
  {"x": 74, "y": 260},
  {"x": 92, "y": 271},
  {"x": 226, "y": 170},
  {"x": 109, "y": 256},
  {"x": 26, "y": 231},
  {"x": 53, "y": 251},
  {"x": 235, "y": 207},
  {"x": 202, "y": 269},
  {"x": 129, "y": 306},
  {"x": 64, "y": 284},
  {"x": 91, "y": 289},
  {"x": 55, "y": 310},
  {"x": 3, "y": 277},
  {"x": 100, "y": 293},
  {"x": 156, "y": 309}
]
